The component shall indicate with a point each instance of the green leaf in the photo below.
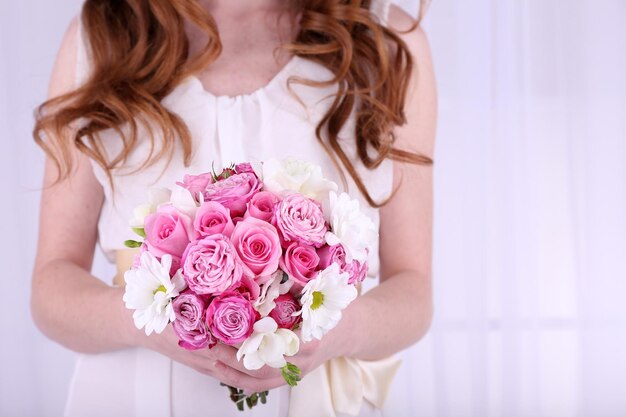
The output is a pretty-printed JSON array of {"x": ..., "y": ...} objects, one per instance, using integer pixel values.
[
  {"x": 241, "y": 400},
  {"x": 291, "y": 374},
  {"x": 132, "y": 243},
  {"x": 140, "y": 231}
]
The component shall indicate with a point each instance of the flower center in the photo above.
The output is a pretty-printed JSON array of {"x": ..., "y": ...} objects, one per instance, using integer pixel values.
[
  {"x": 161, "y": 289},
  {"x": 318, "y": 299}
]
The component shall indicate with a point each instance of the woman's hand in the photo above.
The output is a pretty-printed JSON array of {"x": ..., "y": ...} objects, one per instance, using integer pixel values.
[{"x": 220, "y": 362}]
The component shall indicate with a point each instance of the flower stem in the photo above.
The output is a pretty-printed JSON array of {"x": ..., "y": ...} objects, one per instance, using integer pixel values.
[{"x": 240, "y": 399}]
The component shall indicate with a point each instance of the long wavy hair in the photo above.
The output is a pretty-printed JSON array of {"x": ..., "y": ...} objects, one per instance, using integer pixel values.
[{"x": 140, "y": 52}]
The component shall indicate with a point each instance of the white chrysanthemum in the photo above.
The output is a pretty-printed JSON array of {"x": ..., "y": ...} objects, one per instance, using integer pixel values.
[
  {"x": 350, "y": 227},
  {"x": 295, "y": 175},
  {"x": 323, "y": 299},
  {"x": 268, "y": 345},
  {"x": 149, "y": 291},
  {"x": 156, "y": 197}
]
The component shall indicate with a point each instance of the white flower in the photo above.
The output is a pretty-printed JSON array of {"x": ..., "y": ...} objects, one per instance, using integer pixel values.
[
  {"x": 149, "y": 291},
  {"x": 156, "y": 197},
  {"x": 350, "y": 227},
  {"x": 268, "y": 345},
  {"x": 323, "y": 300},
  {"x": 295, "y": 175},
  {"x": 183, "y": 201},
  {"x": 270, "y": 291}
]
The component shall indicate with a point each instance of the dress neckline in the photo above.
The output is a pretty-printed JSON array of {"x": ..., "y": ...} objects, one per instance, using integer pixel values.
[{"x": 281, "y": 74}]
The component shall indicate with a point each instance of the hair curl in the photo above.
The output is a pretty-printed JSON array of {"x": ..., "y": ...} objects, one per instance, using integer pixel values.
[{"x": 139, "y": 53}]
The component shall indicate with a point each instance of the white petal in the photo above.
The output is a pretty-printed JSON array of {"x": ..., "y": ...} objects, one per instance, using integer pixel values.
[
  {"x": 272, "y": 348},
  {"x": 251, "y": 344},
  {"x": 331, "y": 239},
  {"x": 183, "y": 201},
  {"x": 179, "y": 281},
  {"x": 265, "y": 325},
  {"x": 292, "y": 343},
  {"x": 253, "y": 361}
]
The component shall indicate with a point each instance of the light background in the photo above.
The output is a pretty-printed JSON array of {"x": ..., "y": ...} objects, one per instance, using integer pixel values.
[{"x": 530, "y": 204}]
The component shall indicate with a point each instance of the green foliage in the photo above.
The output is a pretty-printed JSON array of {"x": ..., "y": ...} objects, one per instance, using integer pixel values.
[
  {"x": 132, "y": 243},
  {"x": 291, "y": 373}
]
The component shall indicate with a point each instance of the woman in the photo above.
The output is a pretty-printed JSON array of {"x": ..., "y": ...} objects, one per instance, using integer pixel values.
[{"x": 143, "y": 92}]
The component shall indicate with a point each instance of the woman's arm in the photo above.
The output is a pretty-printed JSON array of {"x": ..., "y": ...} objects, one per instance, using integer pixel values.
[
  {"x": 68, "y": 304},
  {"x": 397, "y": 313}
]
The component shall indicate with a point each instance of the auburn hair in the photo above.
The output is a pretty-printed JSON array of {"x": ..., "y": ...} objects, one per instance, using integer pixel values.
[{"x": 140, "y": 52}]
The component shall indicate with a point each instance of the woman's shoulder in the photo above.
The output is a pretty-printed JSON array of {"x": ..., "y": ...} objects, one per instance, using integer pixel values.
[
  {"x": 63, "y": 77},
  {"x": 399, "y": 20}
]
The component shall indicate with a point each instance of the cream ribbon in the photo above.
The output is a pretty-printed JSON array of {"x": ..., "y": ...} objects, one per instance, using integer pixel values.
[{"x": 338, "y": 386}]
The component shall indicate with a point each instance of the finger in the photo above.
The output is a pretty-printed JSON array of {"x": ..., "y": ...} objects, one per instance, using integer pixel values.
[
  {"x": 228, "y": 356},
  {"x": 249, "y": 384}
]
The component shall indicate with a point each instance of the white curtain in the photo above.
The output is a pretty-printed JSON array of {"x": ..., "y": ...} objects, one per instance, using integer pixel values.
[{"x": 530, "y": 204}]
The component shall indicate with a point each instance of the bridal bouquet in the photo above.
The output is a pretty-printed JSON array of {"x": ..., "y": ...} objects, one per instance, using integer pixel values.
[{"x": 245, "y": 257}]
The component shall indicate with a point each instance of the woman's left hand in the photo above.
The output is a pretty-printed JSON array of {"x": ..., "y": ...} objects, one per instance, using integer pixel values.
[{"x": 310, "y": 355}]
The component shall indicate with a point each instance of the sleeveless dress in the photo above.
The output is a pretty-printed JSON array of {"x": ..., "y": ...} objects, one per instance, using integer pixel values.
[{"x": 270, "y": 122}]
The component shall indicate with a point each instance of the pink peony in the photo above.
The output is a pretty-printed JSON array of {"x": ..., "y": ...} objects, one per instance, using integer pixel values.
[
  {"x": 286, "y": 305},
  {"x": 258, "y": 246},
  {"x": 234, "y": 192},
  {"x": 230, "y": 317},
  {"x": 213, "y": 218},
  {"x": 337, "y": 254},
  {"x": 190, "y": 325},
  {"x": 262, "y": 205},
  {"x": 196, "y": 184},
  {"x": 300, "y": 262},
  {"x": 300, "y": 219},
  {"x": 211, "y": 265},
  {"x": 168, "y": 231}
]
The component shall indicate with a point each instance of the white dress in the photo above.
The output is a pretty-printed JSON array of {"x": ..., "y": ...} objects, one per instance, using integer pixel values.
[{"x": 267, "y": 123}]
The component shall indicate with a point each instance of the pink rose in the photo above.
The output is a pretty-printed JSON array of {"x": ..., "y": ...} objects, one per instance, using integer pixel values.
[
  {"x": 244, "y": 167},
  {"x": 262, "y": 205},
  {"x": 190, "y": 326},
  {"x": 168, "y": 231},
  {"x": 300, "y": 262},
  {"x": 258, "y": 246},
  {"x": 213, "y": 218},
  {"x": 196, "y": 184},
  {"x": 230, "y": 318},
  {"x": 211, "y": 265},
  {"x": 300, "y": 219},
  {"x": 234, "y": 192},
  {"x": 337, "y": 254},
  {"x": 286, "y": 305}
]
